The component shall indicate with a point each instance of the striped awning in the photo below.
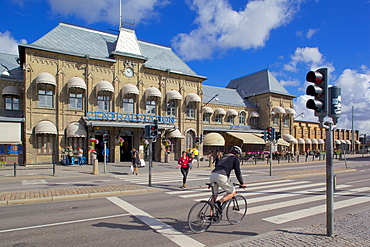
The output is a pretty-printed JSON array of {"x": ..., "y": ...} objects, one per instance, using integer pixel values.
[
  {"x": 152, "y": 92},
  {"x": 289, "y": 138},
  {"x": 343, "y": 141},
  {"x": 314, "y": 141},
  {"x": 247, "y": 138},
  {"x": 254, "y": 114},
  {"x": 192, "y": 97},
  {"x": 11, "y": 90},
  {"x": 207, "y": 110},
  {"x": 357, "y": 142},
  {"x": 76, "y": 130},
  {"x": 290, "y": 111},
  {"x": 283, "y": 143},
  {"x": 307, "y": 141},
  {"x": 300, "y": 141},
  {"x": 213, "y": 139},
  {"x": 278, "y": 109},
  {"x": 104, "y": 86},
  {"x": 174, "y": 134},
  {"x": 337, "y": 142},
  {"x": 231, "y": 112},
  {"x": 76, "y": 82},
  {"x": 320, "y": 141},
  {"x": 173, "y": 95},
  {"x": 45, "y": 127},
  {"x": 129, "y": 89},
  {"x": 45, "y": 78},
  {"x": 348, "y": 142},
  {"x": 220, "y": 111}
]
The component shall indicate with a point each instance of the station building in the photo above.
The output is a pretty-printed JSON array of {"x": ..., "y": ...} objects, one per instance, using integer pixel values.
[{"x": 75, "y": 85}]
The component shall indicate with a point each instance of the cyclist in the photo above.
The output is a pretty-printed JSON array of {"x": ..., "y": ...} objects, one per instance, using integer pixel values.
[{"x": 221, "y": 174}]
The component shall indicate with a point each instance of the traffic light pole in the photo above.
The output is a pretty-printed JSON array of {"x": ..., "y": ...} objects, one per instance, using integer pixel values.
[
  {"x": 270, "y": 161},
  {"x": 105, "y": 157},
  {"x": 150, "y": 161}
]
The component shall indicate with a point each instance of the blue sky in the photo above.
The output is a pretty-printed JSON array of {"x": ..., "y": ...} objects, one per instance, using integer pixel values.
[{"x": 227, "y": 39}]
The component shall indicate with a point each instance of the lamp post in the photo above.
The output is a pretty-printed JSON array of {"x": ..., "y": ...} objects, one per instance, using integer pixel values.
[
  {"x": 214, "y": 97},
  {"x": 299, "y": 115}
]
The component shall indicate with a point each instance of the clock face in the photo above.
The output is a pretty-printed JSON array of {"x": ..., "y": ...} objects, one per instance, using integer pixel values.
[{"x": 129, "y": 72}]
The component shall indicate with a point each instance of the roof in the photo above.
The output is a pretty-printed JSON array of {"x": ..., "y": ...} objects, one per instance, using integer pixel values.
[
  {"x": 10, "y": 61},
  {"x": 71, "y": 39},
  {"x": 258, "y": 83},
  {"x": 226, "y": 96}
]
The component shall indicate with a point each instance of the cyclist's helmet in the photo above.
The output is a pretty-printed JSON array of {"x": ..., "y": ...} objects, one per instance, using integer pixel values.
[{"x": 236, "y": 150}]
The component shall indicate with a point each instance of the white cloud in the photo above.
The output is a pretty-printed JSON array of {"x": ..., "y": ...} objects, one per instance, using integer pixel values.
[
  {"x": 8, "y": 44},
  {"x": 106, "y": 10},
  {"x": 311, "y": 32},
  {"x": 355, "y": 88},
  {"x": 290, "y": 82},
  {"x": 310, "y": 56},
  {"x": 220, "y": 27}
]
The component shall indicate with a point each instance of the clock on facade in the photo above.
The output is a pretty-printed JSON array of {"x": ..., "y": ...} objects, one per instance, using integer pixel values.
[{"x": 129, "y": 72}]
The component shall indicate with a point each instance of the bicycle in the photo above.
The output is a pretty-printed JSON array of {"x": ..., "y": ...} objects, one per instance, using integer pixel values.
[{"x": 203, "y": 214}]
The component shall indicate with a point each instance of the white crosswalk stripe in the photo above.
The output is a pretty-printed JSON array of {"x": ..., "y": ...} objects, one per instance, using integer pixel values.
[{"x": 266, "y": 197}]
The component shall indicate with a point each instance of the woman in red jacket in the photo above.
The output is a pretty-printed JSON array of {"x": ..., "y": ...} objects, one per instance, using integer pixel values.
[{"x": 186, "y": 163}]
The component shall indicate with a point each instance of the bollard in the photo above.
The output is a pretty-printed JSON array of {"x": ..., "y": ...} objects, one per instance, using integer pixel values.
[
  {"x": 54, "y": 168},
  {"x": 95, "y": 167},
  {"x": 15, "y": 169}
]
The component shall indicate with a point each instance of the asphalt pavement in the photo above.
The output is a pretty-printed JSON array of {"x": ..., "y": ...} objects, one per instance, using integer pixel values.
[{"x": 350, "y": 230}]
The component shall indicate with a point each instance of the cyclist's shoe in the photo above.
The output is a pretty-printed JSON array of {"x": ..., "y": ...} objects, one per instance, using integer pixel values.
[{"x": 218, "y": 206}]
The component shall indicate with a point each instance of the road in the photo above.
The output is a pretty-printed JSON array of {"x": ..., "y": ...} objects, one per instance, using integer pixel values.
[{"x": 159, "y": 218}]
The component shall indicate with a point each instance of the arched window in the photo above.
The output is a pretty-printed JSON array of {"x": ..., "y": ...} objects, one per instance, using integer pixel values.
[
  {"x": 242, "y": 116},
  {"x": 190, "y": 139}
]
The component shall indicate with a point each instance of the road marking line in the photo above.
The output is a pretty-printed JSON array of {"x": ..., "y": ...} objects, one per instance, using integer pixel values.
[
  {"x": 63, "y": 223},
  {"x": 299, "y": 214},
  {"x": 159, "y": 226},
  {"x": 358, "y": 181},
  {"x": 28, "y": 182}
]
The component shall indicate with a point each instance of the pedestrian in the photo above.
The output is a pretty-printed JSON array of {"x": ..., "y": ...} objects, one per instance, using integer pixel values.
[
  {"x": 69, "y": 153},
  {"x": 135, "y": 162},
  {"x": 217, "y": 158},
  {"x": 80, "y": 154},
  {"x": 186, "y": 163},
  {"x": 105, "y": 153}
]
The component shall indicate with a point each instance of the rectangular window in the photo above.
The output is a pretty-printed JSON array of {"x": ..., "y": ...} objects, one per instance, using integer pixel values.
[
  {"x": 46, "y": 95},
  {"x": 206, "y": 117},
  {"x": 75, "y": 99},
  {"x": 190, "y": 110},
  {"x": 45, "y": 144},
  {"x": 230, "y": 119},
  {"x": 275, "y": 120},
  {"x": 286, "y": 121},
  {"x": 128, "y": 105},
  {"x": 11, "y": 103},
  {"x": 242, "y": 118},
  {"x": 218, "y": 118},
  {"x": 104, "y": 101},
  {"x": 150, "y": 107},
  {"x": 171, "y": 109}
]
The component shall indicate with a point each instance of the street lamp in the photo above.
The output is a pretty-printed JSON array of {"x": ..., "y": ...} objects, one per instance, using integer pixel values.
[
  {"x": 214, "y": 97},
  {"x": 8, "y": 72},
  {"x": 299, "y": 115}
]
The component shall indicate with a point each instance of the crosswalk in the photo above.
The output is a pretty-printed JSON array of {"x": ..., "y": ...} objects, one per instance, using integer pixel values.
[{"x": 275, "y": 197}]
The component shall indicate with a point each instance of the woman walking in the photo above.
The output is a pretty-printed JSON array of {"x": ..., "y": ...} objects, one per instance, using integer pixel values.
[
  {"x": 135, "y": 162},
  {"x": 186, "y": 163}
]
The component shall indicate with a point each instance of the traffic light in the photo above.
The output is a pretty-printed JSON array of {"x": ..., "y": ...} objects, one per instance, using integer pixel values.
[
  {"x": 277, "y": 135},
  {"x": 105, "y": 138},
  {"x": 270, "y": 134},
  {"x": 201, "y": 138},
  {"x": 264, "y": 135},
  {"x": 153, "y": 131},
  {"x": 197, "y": 140},
  {"x": 319, "y": 90}
]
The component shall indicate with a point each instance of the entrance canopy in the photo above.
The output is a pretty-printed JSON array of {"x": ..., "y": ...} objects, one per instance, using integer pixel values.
[
  {"x": 247, "y": 138},
  {"x": 213, "y": 139}
]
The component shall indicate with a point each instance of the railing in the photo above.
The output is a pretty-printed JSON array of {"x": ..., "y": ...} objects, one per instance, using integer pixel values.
[{"x": 30, "y": 169}]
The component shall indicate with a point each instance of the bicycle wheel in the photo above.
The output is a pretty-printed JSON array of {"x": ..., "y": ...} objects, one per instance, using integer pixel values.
[
  {"x": 200, "y": 216},
  {"x": 236, "y": 209}
]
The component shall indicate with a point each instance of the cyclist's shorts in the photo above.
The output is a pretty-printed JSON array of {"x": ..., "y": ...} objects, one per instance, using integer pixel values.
[{"x": 221, "y": 181}]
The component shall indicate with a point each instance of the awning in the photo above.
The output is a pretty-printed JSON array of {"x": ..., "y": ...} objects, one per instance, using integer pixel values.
[
  {"x": 278, "y": 109},
  {"x": 283, "y": 143},
  {"x": 348, "y": 142},
  {"x": 289, "y": 138},
  {"x": 104, "y": 86},
  {"x": 357, "y": 142},
  {"x": 300, "y": 141},
  {"x": 343, "y": 141},
  {"x": 247, "y": 138},
  {"x": 314, "y": 141},
  {"x": 45, "y": 127},
  {"x": 173, "y": 95},
  {"x": 152, "y": 92},
  {"x": 174, "y": 134},
  {"x": 10, "y": 133},
  {"x": 77, "y": 82},
  {"x": 307, "y": 141},
  {"x": 337, "y": 142},
  {"x": 11, "y": 90},
  {"x": 254, "y": 114},
  {"x": 192, "y": 97},
  {"x": 320, "y": 141},
  {"x": 213, "y": 139},
  {"x": 231, "y": 112},
  {"x": 290, "y": 111},
  {"x": 45, "y": 78},
  {"x": 129, "y": 89},
  {"x": 208, "y": 110},
  {"x": 220, "y": 111},
  {"x": 76, "y": 130}
]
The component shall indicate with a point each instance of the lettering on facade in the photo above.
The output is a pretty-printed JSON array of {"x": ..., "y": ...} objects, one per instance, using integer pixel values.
[
  {"x": 127, "y": 117},
  {"x": 239, "y": 127}
]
